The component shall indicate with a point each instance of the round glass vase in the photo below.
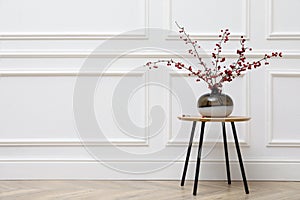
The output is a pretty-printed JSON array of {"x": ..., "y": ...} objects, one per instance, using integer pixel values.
[{"x": 215, "y": 104}]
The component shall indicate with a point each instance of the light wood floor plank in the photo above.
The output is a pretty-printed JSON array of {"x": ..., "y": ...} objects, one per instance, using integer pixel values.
[{"x": 143, "y": 190}]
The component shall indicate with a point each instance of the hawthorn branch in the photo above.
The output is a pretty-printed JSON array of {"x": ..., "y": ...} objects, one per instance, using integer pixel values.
[{"x": 193, "y": 44}]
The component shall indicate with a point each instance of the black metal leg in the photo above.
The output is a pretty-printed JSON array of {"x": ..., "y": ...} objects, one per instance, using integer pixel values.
[
  {"x": 240, "y": 157},
  {"x": 198, "y": 159},
  {"x": 188, "y": 154},
  {"x": 226, "y": 153}
]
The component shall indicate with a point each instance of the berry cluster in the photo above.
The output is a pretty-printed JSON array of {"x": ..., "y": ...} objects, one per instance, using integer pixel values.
[{"x": 219, "y": 73}]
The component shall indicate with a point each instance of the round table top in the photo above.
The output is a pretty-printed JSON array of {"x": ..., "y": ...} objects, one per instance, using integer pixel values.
[{"x": 214, "y": 119}]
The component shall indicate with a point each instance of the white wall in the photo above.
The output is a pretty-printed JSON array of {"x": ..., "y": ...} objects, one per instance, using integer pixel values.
[{"x": 43, "y": 44}]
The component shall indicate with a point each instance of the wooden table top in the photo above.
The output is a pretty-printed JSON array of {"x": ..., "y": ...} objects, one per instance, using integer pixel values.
[{"x": 214, "y": 119}]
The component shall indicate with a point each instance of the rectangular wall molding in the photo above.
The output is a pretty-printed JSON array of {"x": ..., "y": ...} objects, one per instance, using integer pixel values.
[
  {"x": 41, "y": 54},
  {"x": 40, "y": 142},
  {"x": 214, "y": 35},
  {"x": 271, "y": 142},
  {"x": 81, "y": 35},
  {"x": 73, "y": 141},
  {"x": 273, "y": 35}
]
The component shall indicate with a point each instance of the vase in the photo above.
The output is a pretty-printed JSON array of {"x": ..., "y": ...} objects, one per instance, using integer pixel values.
[{"x": 215, "y": 104}]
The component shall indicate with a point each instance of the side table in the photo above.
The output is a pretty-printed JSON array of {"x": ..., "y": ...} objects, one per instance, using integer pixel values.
[{"x": 203, "y": 120}]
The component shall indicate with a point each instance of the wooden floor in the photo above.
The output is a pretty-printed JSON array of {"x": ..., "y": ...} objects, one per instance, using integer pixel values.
[{"x": 143, "y": 190}]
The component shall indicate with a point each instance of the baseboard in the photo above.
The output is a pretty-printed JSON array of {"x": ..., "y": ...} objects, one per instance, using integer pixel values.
[{"x": 92, "y": 170}]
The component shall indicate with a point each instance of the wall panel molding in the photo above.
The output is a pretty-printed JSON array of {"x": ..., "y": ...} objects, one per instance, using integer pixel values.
[
  {"x": 157, "y": 54},
  {"x": 68, "y": 72},
  {"x": 74, "y": 141},
  {"x": 271, "y": 35},
  {"x": 271, "y": 142},
  {"x": 69, "y": 142},
  {"x": 81, "y": 35},
  {"x": 212, "y": 36}
]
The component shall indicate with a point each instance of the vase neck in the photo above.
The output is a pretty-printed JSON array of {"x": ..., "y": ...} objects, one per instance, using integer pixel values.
[{"x": 216, "y": 91}]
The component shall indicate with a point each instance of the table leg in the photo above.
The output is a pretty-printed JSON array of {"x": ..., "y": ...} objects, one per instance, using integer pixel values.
[
  {"x": 226, "y": 153},
  {"x": 188, "y": 154},
  {"x": 240, "y": 157},
  {"x": 198, "y": 159}
]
